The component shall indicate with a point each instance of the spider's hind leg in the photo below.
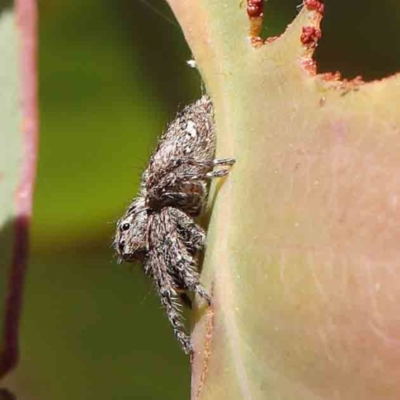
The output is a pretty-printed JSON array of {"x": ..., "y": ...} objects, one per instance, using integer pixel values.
[
  {"x": 223, "y": 161},
  {"x": 226, "y": 162}
]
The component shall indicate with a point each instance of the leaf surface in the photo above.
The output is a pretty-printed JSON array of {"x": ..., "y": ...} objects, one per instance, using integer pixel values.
[{"x": 303, "y": 253}]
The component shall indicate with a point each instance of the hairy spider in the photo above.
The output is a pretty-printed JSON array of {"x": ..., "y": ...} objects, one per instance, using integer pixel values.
[{"x": 158, "y": 229}]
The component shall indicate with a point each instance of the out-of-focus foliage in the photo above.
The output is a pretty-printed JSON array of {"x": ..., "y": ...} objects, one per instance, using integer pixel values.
[
  {"x": 101, "y": 108},
  {"x": 111, "y": 75},
  {"x": 92, "y": 328},
  {"x": 11, "y": 151}
]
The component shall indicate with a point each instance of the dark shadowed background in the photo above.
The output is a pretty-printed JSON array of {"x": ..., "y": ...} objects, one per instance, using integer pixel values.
[{"x": 112, "y": 74}]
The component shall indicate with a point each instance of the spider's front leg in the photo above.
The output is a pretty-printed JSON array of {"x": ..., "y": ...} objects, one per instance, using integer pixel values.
[
  {"x": 192, "y": 234},
  {"x": 156, "y": 267},
  {"x": 181, "y": 262}
]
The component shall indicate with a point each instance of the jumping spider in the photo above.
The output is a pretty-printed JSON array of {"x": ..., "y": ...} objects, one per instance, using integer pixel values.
[{"x": 158, "y": 229}]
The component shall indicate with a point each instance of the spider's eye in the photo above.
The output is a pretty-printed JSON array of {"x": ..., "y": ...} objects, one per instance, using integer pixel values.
[{"x": 125, "y": 226}]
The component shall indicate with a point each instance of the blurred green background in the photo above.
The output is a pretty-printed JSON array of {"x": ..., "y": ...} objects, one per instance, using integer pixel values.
[{"x": 112, "y": 74}]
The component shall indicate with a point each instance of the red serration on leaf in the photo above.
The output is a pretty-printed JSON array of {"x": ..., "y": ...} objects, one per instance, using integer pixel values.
[
  {"x": 315, "y": 5},
  {"x": 310, "y": 35},
  {"x": 255, "y": 8}
]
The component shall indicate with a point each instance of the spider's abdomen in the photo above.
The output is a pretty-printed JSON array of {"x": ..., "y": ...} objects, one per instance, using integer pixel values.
[{"x": 177, "y": 169}]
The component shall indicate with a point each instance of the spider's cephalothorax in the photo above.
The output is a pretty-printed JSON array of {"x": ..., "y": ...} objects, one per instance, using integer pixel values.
[{"x": 158, "y": 228}]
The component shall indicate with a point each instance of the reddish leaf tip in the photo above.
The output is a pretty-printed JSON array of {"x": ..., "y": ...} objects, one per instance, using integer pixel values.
[
  {"x": 255, "y": 8},
  {"x": 255, "y": 12},
  {"x": 309, "y": 65},
  {"x": 310, "y": 36},
  {"x": 315, "y": 5}
]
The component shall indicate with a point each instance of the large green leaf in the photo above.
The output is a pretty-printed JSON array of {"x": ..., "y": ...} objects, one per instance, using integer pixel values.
[{"x": 303, "y": 256}]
